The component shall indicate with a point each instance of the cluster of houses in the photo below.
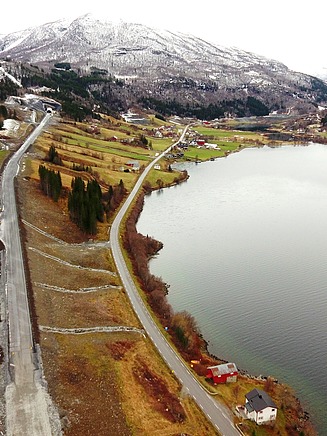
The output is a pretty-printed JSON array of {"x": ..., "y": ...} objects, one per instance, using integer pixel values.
[
  {"x": 258, "y": 407},
  {"x": 164, "y": 132}
]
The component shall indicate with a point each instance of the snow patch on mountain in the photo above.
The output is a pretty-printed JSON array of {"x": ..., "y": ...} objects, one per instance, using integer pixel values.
[{"x": 4, "y": 73}]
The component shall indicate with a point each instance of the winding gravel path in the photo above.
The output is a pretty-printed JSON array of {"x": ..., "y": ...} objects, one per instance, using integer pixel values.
[
  {"x": 83, "y": 331},
  {"x": 71, "y": 265},
  {"x": 44, "y": 286}
]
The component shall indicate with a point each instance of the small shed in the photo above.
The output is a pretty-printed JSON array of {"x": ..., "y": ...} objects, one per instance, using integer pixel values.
[
  {"x": 225, "y": 373},
  {"x": 259, "y": 407}
]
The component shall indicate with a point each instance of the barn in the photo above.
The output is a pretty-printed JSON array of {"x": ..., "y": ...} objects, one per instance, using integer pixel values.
[{"x": 225, "y": 373}]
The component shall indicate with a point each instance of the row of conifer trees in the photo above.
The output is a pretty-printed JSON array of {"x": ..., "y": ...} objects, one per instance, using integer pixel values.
[
  {"x": 50, "y": 182},
  {"x": 86, "y": 203}
]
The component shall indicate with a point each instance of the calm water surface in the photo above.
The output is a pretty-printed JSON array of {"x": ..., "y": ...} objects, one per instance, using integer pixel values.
[{"x": 245, "y": 251}]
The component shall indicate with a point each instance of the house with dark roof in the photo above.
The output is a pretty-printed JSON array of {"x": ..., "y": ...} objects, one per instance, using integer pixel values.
[{"x": 259, "y": 407}]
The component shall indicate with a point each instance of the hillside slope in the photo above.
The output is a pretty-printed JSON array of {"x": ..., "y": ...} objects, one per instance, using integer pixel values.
[{"x": 160, "y": 65}]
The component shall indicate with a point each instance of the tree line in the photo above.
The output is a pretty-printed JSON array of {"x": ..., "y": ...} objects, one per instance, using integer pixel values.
[
  {"x": 241, "y": 108},
  {"x": 113, "y": 197},
  {"x": 7, "y": 88},
  {"x": 53, "y": 156},
  {"x": 77, "y": 93},
  {"x": 50, "y": 182},
  {"x": 85, "y": 205}
]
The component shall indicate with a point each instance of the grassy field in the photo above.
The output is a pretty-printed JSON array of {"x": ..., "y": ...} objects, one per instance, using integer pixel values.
[
  {"x": 3, "y": 155},
  {"x": 221, "y": 133},
  {"x": 97, "y": 380},
  {"x": 107, "y": 159},
  {"x": 166, "y": 177}
]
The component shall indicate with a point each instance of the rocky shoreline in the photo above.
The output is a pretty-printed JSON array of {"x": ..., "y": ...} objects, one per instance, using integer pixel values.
[{"x": 301, "y": 419}]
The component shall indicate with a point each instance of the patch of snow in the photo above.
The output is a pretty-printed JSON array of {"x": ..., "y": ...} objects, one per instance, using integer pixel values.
[
  {"x": 3, "y": 73},
  {"x": 10, "y": 125},
  {"x": 127, "y": 78},
  {"x": 15, "y": 43},
  {"x": 252, "y": 73},
  {"x": 38, "y": 89}
]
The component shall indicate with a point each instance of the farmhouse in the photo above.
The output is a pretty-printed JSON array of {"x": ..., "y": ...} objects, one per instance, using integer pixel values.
[
  {"x": 211, "y": 146},
  {"x": 133, "y": 164},
  {"x": 225, "y": 373},
  {"x": 259, "y": 407},
  {"x": 158, "y": 134}
]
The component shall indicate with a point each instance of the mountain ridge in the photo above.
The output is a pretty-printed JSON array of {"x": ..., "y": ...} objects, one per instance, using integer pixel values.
[{"x": 164, "y": 65}]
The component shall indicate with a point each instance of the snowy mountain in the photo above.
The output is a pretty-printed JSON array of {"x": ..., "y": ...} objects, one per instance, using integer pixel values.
[
  {"x": 164, "y": 64},
  {"x": 130, "y": 49}
]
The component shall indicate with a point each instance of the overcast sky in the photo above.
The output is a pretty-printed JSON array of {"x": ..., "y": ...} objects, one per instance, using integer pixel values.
[{"x": 290, "y": 31}]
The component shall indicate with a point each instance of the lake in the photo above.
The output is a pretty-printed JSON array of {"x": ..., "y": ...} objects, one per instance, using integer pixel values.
[{"x": 245, "y": 252}]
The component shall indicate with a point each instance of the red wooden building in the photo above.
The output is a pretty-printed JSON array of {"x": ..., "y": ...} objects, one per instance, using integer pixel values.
[{"x": 225, "y": 373}]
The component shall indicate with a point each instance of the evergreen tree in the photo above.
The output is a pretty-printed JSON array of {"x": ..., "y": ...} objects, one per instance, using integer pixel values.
[
  {"x": 53, "y": 156},
  {"x": 85, "y": 205},
  {"x": 3, "y": 112},
  {"x": 50, "y": 182}
]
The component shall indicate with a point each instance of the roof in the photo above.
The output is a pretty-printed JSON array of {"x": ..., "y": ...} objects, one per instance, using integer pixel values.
[
  {"x": 225, "y": 368},
  {"x": 259, "y": 400},
  {"x": 248, "y": 407},
  {"x": 134, "y": 163}
]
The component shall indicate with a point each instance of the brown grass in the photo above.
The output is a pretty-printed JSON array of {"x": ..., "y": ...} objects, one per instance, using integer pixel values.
[
  {"x": 164, "y": 402},
  {"x": 95, "y": 378},
  {"x": 145, "y": 415}
]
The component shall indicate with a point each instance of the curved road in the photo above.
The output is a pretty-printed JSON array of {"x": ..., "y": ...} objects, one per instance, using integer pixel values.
[
  {"x": 218, "y": 414},
  {"x": 26, "y": 400}
]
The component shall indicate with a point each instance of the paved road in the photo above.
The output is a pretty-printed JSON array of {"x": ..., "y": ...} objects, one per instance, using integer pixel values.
[
  {"x": 218, "y": 414},
  {"x": 26, "y": 400}
]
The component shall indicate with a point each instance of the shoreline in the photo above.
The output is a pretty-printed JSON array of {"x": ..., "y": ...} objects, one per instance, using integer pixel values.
[{"x": 303, "y": 414}]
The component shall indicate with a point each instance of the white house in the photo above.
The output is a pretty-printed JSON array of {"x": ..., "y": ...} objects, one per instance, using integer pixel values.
[
  {"x": 158, "y": 134},
  {"x": 259, "y": 407}
]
